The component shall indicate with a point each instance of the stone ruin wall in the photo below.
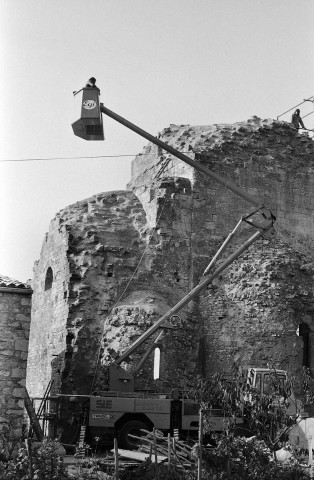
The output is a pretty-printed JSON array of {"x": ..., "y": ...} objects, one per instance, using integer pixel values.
[
  {"x": 265, "y": 157},
  {"x": 15, "y": 316},
  {"x": 251, "y": 313},
  {"x": 49, "y": 309},
  {"x": 121, "y": 259},
  {"x": 94, "y": 249}
]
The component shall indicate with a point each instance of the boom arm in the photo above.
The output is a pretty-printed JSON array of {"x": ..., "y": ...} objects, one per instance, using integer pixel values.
[
  {"x": 234, "y": 188},
  {"x": 264, "y": 226}
]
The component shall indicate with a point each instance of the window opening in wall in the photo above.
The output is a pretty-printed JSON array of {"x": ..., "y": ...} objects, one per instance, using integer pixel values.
[
  {"x": 304, "y": 332},
  {"x": 176, "y": 276},
  {"x": 49, "y": 279},
  {"x": 156, "y": 363},
  {"x": 258, "y": 382},
  {"x": 267, "y": 379},
  {"x": 69, "y": 337},
  {"x": 110, "y": 270}
]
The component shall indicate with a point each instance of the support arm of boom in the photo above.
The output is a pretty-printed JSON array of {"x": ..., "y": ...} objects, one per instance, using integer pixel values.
[{"x": 199, "y": 288}]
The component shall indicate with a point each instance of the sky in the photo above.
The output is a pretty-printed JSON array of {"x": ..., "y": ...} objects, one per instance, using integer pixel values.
[{"x": 156, "y": 62}]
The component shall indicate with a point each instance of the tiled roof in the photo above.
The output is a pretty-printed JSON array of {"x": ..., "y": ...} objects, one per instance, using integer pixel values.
[{"x": 10, "y": 283}]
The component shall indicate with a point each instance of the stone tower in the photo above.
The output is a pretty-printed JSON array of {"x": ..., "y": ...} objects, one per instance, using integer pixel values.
[{"x": 111, "y": 265}]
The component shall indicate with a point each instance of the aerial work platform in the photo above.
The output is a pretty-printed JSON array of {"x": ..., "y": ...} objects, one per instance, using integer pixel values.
[{"x": 89, "y": 126}]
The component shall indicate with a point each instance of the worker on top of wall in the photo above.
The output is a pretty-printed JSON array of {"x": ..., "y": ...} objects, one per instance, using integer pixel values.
[{"x": 296, "y": 120}]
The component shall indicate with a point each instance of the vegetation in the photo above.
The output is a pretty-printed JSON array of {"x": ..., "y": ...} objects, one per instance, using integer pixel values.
[
  {"x": 267, "y": 422},
  {"x": 41, "y": 463},
  {"x": 264, "y": 415},
  {"x": 152, "y": 471},
  {"x": 228, "y": 456}
]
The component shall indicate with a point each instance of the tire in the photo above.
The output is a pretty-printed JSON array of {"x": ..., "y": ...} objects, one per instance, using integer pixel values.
[{"x": 134, "y": 428}]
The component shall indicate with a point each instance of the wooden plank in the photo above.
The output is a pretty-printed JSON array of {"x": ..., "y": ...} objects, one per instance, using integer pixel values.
[
  {"x": 116, "y": 459},
  {"x": 140, "y": 456}
]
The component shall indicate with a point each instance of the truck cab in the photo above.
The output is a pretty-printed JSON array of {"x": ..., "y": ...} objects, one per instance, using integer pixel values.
[
  {"x": 266, "y": 381},
  {"x": 261, "y": 379}
]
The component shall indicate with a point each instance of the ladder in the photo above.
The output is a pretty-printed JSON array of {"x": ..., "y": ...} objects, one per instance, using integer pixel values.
[
  {"x": 42, "y": 407},
  {"x": 35, "y": 416},
  {"x": 35, "y": 425},
  {"x": 80, "y": 451}
]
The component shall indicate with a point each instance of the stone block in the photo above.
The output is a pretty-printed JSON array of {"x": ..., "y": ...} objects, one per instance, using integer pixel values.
[
  {"x": 7, "y": 353},
  {"x": 18, "y": 392},
  {"x": 14, "y": 413},
  {"x": 21, "y": 345},
  {"x": 20, "y": 317},
  {"x": 26, "y": 300},
  {"x": 18, "y": 373}
]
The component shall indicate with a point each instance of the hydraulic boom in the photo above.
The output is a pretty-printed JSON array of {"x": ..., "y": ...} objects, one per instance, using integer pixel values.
[{"x": 262, "y": 219}]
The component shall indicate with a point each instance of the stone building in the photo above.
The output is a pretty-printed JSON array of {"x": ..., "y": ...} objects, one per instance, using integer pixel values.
[
  {"x": 112, "y": 264},
  {"x": 15, "y": 317}
]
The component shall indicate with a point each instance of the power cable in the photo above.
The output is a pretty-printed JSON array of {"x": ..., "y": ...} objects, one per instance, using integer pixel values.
[
  {"x": 68, "y": 158},
  {"x": 77, "y": 158}
]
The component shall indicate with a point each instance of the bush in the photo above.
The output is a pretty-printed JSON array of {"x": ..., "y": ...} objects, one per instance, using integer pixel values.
[
  {"x": 265, "y": 415},
  {"x": 43, "y": 463},
  {"x": 243, "y": 459},
  {"x": 152, "y": 471}
]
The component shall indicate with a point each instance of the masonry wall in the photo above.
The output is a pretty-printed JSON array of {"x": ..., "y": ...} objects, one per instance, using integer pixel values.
[
  {"x": 15, "y": 310},
  {"x": 49, "y": 310},
  {"x": 252, "y": 312},
  {"x": 122, "y": 259},
  {"x": 266, "y": 157}
]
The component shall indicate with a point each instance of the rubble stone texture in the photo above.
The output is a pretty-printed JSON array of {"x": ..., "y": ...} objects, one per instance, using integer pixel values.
[
  {"x": 120, "y": 260},
  {"x": 15, "y": 316}
]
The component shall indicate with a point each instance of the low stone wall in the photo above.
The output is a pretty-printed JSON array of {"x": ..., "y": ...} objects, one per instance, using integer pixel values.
[{"x": 15, "y": 316}]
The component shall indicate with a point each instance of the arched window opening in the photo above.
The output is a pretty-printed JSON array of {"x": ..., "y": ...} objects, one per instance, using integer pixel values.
[
  {"x": 49, "y": 279},
  {"x": 110, "y": 270},
  {"x": 304, "y": 332},
  {"x": 156, "y": 363}
]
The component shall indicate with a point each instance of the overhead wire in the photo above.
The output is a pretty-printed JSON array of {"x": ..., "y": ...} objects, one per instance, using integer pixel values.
[
  {"x": 68, "y": 158},
  {"x": 39, "y": 159}
]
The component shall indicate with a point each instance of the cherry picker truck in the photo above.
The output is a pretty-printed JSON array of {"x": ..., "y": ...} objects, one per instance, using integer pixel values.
[{"x": 121, "y": 409}]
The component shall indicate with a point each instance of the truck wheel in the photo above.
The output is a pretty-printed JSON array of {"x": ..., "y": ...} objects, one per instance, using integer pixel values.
[{"x": 134, "y": 428}]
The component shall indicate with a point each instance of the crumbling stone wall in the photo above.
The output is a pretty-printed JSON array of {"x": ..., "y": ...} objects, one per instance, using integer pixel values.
[
  {"x": 121, "y": 259},
  {"x": 50, "y": 308},
  {"x": 112, "y": 273},
  {"x": 266, "y": 157},
  {"x": 258, "y": 324},
  {"x": 255, "y": 311},
  {"x": 15, "y": 309},
  {"x": 162, "y": 277}
]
